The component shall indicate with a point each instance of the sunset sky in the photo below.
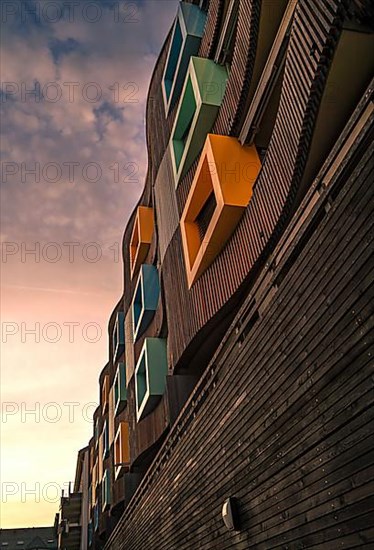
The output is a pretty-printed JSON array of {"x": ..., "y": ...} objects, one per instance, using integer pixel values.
[{"x": 74, "y": 86}]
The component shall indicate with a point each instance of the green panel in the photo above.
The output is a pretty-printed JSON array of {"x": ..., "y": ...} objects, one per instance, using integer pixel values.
[
  {"x": 150, "y": 374},
  {"x": 120, "y": 390},
  {"x": 156, "y": 364},
  {"x": 202, "y": 96},
  {"x": 211, "y": 80}
]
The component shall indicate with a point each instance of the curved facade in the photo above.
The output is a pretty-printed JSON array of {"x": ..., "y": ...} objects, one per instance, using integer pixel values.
[{"x": 271, "y": 100}]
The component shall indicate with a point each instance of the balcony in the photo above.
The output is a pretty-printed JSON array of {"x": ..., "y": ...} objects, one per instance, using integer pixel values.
[
  {"x": 120, "y": 390},
  {"x": 69, "y": 529},
  {"x": 122, "y": 449},
  {"x": 185, "y": 42},
  {"x": 220, "y": 192},
  {"x": 150, "y": 376},
  {"x": 141, "y": 237},
  {"x": 71, "y": 507},
  {"x": 145, "y": 299},
  {"x": 201, "y": 98},
  {"x": 119, "y": 336}
]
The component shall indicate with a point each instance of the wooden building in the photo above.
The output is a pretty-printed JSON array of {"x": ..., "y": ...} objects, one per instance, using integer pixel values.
[{"x": 240, "y": 361}]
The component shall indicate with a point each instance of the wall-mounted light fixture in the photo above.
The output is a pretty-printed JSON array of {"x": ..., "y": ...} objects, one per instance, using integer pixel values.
[{"x": 230, "y": 514}]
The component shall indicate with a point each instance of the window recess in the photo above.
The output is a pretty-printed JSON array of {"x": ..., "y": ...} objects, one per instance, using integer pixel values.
[
  {"x": 226, "y": 44},
  {"x": 261, "y": 115}
]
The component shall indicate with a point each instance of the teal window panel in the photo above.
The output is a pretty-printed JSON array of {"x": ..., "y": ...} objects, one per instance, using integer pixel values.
[
  {"x": 106, "y": 493},
  {"x": 119, "y": 335},
  {"x": 96, "y": 516},
  {"x": 90, "y": 534},
  {"x": 105, "y": 439},
  {"x": 120, "y": 390},
  {"x": 150, "y": 376},
  {"x": 185, "y": 42},
  {"x": 145, "y": 301},
  {"x": 201, "y": 98}
]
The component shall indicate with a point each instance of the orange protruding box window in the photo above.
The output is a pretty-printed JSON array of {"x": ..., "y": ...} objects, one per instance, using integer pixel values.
[
  {"x": 122, "y": 448},
  {"x": 141, "y": 237},
  {"x": 220, "y": 192},
  {"x": 105, "y": 393}
]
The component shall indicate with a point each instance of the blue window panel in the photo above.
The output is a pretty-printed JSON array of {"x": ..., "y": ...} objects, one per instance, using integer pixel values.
[
  {"x": 145, "y": 300},
  {"x": 150, "y": 376},
  {"x": 119, "y": 335},
  {"x": 120, "y": 390},
  {"x": 105, "y": 488},
  {"x": 90, "y": 534},
  {"x": 185, "y": 42},
  {"x": 96, "y": 517}
]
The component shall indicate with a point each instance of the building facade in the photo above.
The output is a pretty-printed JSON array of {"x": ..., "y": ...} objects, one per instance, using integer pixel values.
[
  {"x": 29, "y": 538},
  {"x": 240, "y": 354}
]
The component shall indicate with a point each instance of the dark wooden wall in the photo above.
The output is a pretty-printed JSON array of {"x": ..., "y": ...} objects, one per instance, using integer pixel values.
[{"x": 283, "y": 417}]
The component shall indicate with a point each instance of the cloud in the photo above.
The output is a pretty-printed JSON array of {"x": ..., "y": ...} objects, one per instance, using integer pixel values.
[{"x": 73, "y": 107}]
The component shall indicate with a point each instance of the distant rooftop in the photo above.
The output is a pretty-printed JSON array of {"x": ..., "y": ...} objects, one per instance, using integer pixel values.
[{"x": 30, "y": 538}]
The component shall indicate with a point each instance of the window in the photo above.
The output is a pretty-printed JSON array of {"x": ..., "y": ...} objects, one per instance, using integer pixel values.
[
  {"x": 122, "y": 449},
  {"x": 186, "y": 115},
  {"x": 260, "y": 119},
  {"x": 96, "y": 516},
  {"x": 146, "y": 298},
  {"x": 226, "y": 44},
  {"x": 105, "y": 440},
  {"x": 120, "y": 390},
  {"x": 220, "y": 192},
  {"x": 119, "y": 335},
  {"x": 141, "y": 237},
  {"x": 150, "y": 376},
  {"x": 349, "y": 76},
  {"x": 105, "y": 488},
  {"x": 173, "y": 59},
  {"x": 105, "y": 393},
  {"x": 201, "y": 98},
  {"x": 185, "y": 41},
  {"x": 96, "y": 432},
  {"x": 90, "y": 534}
]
